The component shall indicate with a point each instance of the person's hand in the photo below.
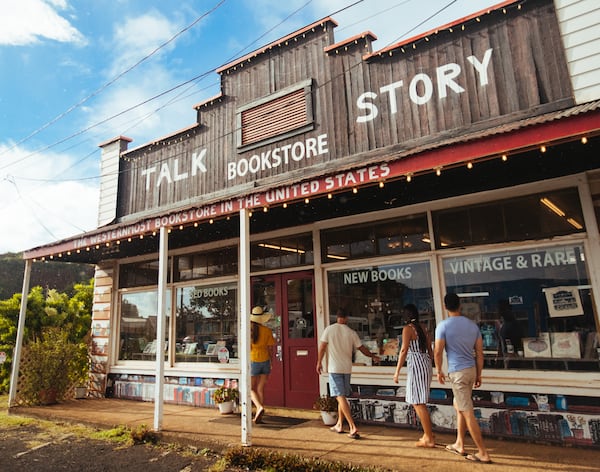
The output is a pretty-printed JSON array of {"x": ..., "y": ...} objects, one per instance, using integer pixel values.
[
  {"x": 395, "y": 378},
  {"x": 441, "y": 378},
  {"x": 319, "y": 369},
  {"x": 376, "y": 359},
  {"x": 477, "y": 383}
]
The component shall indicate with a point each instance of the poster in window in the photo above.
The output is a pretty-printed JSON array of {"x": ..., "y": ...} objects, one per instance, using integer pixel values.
[
  {"x": 537, "y": 347},
  {"x": 566, "y": 345},
  {"x": 563, "y": 301}
]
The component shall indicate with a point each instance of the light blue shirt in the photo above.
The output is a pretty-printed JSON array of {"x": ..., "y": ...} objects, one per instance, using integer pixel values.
[{"x": 460, "y": 335}]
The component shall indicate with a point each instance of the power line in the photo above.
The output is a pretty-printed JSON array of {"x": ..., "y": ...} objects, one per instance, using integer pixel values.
[{"x": 110, "y": 82}]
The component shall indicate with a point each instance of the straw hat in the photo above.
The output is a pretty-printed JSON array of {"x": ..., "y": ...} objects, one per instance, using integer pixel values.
[{"x": 259, "y": 316}]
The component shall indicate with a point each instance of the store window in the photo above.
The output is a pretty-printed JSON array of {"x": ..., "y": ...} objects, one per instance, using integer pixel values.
[
  {"x": 531, "y": 217},
  {"x": 137, "y": 325},
  {"x": 533, "y": 306},
  {"x": 138, "y": 274},
  {"x": 374, "y": 297},
  {"x": 398, "y": 236},
  {"x": 279, "y": 253},
  {"x": 206, "y": 323},
  {"x": 206, "y": 264}
]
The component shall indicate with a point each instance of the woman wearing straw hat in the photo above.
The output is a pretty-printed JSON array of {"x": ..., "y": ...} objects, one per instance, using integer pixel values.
[{"x": 261, "y": 352}]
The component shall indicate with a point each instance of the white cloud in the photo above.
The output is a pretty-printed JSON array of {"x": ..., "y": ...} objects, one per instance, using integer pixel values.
[
  {"x": 137, "y": 37},
  {"x": 33, "y": 213},
  {"x": 24, "y": 22}
]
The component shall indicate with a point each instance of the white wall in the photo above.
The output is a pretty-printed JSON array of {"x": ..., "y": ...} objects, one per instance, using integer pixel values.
[{"x": 579, "y": 22}]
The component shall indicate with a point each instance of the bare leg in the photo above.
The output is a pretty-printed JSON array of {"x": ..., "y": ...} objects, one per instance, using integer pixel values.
[
  {"x": 344, "y": 412},
  {"x": 461, "y": 430},
  {"x": 475, "y": 431},
  {"x": 427, "y": 440},
  {"x": 257, "y": 392}
]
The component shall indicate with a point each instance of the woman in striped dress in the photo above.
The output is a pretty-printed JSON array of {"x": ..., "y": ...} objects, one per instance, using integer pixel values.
[{"x": 416, "y": 347}]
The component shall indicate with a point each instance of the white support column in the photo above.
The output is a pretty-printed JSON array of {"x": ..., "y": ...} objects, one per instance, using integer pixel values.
[
  {"x": 163, "y": 259},
  {"x": 244, "y": 278},
  {"x": 16, "y": 357}
]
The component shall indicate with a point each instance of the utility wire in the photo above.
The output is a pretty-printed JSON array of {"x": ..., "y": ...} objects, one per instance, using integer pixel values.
[{"x": 110, "y": 82}]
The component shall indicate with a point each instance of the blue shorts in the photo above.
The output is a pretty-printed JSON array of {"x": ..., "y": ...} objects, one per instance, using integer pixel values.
[
  {"x": 260, "y": 368},
  {"x": 339, "y": 385}
]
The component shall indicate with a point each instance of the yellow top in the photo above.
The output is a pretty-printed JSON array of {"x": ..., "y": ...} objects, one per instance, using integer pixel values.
[{"x": 260, "y": 351}]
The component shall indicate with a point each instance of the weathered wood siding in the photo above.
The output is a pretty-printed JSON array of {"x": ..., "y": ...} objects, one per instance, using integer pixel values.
[
  {"x": 526, "y": 75},
  {"x": 579, "y": 22}
]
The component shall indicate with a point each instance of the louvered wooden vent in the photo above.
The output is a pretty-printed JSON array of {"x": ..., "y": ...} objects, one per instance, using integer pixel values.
[{"x": 278, "y": 116}]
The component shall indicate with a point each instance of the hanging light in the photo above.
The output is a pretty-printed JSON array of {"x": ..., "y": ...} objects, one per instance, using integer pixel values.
[{"x": 584, "y": 140}]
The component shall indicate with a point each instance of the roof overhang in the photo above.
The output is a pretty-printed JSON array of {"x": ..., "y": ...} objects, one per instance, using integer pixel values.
[{"x": 543, "y": 130}]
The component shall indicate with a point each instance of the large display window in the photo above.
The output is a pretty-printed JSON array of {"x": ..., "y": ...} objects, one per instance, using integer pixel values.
[
  {"x": 137, "y": 325},
  {"x": 534, "y": 306},
  {"x": 374, "y": 297},
  {"x": 206, "y": 323}
]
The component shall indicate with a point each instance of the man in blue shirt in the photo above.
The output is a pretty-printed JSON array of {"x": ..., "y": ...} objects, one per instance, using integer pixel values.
[{"x": 460, "y": 337}]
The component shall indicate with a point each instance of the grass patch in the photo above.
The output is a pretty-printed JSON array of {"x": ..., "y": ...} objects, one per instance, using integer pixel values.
[{"x": 270, "y": 461}]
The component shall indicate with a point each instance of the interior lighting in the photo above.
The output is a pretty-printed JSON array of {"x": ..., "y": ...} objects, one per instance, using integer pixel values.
[
  {"x": 354, "y": 190},
  {"x": 504, "y": 157},
  {"x": 142, "y": 236},
  {"x": 285, "y": 205},
  {"x": 543, "y": 149},
  {"x": 584, "y": 140},
  {"x": 409, "y": 177},
  {"x": 282, "y": 248},
  {"x": 438, "y": 171},
  {"x": 469, "y": 165},
  {"x": 211, "y": 221},
  {"x": 329, "y": 196},
  {"x": 265, "y": 209},
  {"x": 381, "y": 184},
  {"x": 574, "y": 223},
  {"x": 306, "y": 200},
  {"x": 552, "y": 206},
  {"x": 180, "y": 227}
]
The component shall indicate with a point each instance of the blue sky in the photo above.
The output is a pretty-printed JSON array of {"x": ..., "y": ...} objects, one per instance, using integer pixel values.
[{"x": 75, "y": 73}]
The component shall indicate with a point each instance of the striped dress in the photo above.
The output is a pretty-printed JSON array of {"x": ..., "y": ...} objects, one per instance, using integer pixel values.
[{"x": 418, "y": 378}]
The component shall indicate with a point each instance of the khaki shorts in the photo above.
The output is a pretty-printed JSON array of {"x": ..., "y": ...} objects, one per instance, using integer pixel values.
[{"x": 462, "y": 388}]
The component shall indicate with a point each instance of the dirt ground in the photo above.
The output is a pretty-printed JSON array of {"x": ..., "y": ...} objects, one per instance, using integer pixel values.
[{"x": 34, "y": 447}]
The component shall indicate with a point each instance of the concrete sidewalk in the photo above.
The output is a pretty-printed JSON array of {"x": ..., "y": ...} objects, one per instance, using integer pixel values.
[{"x": 302, "y": 432}]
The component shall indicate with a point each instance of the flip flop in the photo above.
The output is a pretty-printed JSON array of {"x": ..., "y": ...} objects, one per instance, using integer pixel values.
[
  {"x": 451, "y": 448},
  {"x": 354, "y": 436},
  {"x": 475, "y": 458}
]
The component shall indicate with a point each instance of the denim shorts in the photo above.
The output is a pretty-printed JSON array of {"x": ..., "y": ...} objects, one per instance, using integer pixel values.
[
  {"x": 339, "y": 385},
  {"x": 260, "y": 368}
]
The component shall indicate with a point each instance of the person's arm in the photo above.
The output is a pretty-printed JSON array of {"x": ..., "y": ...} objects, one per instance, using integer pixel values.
[
  {"x": 321, "y": 354},
  {"x": 368, "y": 353},
  {"x": 478, "y": 361},
  {"x": 438, "y": 355},
  {"x": 403, "y": 352},
  {"x": 428, "y": 337}
]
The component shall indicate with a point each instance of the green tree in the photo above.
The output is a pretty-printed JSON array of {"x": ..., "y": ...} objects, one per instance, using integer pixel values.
[{"x": 44, "y": 310}]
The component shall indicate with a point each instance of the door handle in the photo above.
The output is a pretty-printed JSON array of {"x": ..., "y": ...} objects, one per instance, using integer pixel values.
[{"x": 302, "y": 353}]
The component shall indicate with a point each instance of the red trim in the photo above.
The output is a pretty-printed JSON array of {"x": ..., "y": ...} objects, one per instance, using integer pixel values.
[
  {"x": 538, "y": 135},
  {"x": 518, "y": 140}
]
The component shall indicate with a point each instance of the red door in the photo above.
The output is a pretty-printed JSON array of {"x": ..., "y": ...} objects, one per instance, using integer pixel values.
[{"x": 290, "y": 297}]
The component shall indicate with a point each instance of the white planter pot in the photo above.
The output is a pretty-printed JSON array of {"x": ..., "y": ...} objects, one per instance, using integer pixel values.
[
  {"x": 329, "y": 417},
  {"x": 225, "y": 407}
]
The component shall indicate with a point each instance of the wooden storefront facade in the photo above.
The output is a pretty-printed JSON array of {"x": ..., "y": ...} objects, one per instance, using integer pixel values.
[{"x": 465, "y": 159}]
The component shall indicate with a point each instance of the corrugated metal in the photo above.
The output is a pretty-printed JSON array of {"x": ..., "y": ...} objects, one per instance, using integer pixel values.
[
  {"x": 579, "y": 22},
  {"x": 278, "y": 116}
]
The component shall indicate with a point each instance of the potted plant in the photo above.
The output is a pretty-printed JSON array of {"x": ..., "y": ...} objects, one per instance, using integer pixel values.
[
  {"x": 328, "y": 406},
  {"x": 226, "y": 398}
]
